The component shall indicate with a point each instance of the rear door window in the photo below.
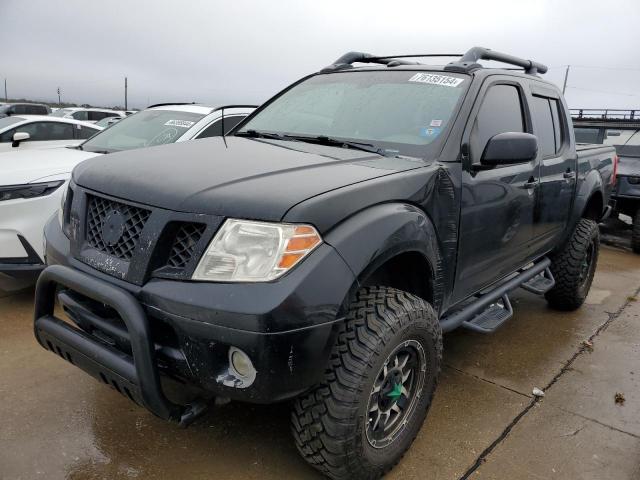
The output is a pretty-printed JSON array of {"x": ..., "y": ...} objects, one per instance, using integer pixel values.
[
  {"x": 544, "y": 125},
  {"x": 81, "y": 115},
  {"x": 558, "y": 124},
  {"x": 36, "y": 110}
]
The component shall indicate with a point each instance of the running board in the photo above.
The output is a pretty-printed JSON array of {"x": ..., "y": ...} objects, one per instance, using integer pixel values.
[
  {"x": 477, "y": 307},
  {"x": 541, "y": 283},
  {"x": 491, "y": 318}
]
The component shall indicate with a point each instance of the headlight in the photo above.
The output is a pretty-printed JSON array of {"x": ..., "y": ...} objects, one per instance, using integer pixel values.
[
  {"x": 29, "y": 190},
  {"x": 61, "y": 209},
  {"x": 247, "y": 251},
  {"x": 633, "y": 180}
]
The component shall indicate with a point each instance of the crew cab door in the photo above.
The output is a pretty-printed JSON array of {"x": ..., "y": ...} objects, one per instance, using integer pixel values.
[
  {"x": 558, "y": 165},
  {"x": 497, "y": 203}
]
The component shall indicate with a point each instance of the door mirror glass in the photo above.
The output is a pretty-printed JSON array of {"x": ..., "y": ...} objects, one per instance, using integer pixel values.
[
  {"x": 509, "y": 148},
  {"x": 20, "y": 137}
]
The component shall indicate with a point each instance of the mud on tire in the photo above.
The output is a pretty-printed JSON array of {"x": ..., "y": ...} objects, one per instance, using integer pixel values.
[
  {"x": 574, "y": 266},
  {"x": 390, "y": 340}
]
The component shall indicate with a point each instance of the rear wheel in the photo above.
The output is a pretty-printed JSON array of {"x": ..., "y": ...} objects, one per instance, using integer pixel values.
[
  {"x": 574, "y": 266},
  {"x": 635, "y": 232},
  {"x": 378, "y": 386}
]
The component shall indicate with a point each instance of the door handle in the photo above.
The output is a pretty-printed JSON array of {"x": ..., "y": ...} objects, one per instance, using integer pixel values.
[
  {"x": 569, "y": 175},
  {"x": 530, "y": 184}
]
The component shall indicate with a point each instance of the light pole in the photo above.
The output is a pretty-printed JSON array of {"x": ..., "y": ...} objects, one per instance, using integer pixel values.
[
  {"x": 59, "y": 102},
  {"x": 566, "y": 76}
]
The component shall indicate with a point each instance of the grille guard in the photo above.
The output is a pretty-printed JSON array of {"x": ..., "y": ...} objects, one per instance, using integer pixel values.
[{"x": 136, "y": 378}]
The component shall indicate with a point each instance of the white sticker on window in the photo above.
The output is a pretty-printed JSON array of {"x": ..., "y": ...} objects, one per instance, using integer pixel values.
[
  {"x": 434, "y": 79},
  {"x": 180, "y": 123},
  {"x": 435, "y": 123}
]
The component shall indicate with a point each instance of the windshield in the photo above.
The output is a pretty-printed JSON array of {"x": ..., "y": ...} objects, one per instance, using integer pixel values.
[
  {"x": 6, "y": 121},
  {"x": 144, "y": 129},
  {"x": 61, "y": 112},
  {"x": 395, "y": 111}
]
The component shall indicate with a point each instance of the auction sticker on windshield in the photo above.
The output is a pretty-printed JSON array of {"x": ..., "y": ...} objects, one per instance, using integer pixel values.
[
  {"x": 434, "y": 79},
  {"x": 180, "y": 123}
]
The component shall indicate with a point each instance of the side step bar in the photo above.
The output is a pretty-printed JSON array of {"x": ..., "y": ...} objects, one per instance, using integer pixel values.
[
  {"x": 491, "y": 317},
  {"x": 467, "y": 314}
]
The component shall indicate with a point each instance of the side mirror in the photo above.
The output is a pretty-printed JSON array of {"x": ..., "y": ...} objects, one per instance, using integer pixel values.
[
  {"x": 19, "y": 137},
  {"x": 509, "y": 148}
]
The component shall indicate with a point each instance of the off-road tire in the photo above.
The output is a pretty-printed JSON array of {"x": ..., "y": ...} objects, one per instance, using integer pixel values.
[
  {"x": 635, "y": 232},
  {"x": 574, "y": 266},
  {"x": 330, "y": 423}
]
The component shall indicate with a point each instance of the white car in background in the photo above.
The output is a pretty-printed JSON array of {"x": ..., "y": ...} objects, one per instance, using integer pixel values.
[
  {"x": 87, "y": 114},
  {"x": 42, "y": 131},
  {"x": 32, "y": 183},
  {"x": 107, "y": 122}
]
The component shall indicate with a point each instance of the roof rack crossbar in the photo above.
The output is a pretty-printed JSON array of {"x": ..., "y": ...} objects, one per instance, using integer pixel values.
[
  {"x": 469, "y": 61},
  {"x": 420, "y": 55}
]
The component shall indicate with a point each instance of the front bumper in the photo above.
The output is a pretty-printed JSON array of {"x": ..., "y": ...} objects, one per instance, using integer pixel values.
[
  {"x": 132, "y": 335},
  {"x": 22, "y": 271},
  {"x": 21, "y": 224}
]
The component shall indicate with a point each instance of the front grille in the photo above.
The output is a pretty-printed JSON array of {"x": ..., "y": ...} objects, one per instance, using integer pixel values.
[
  {"x": 124, "y": 224},
  {"x": 187, "y": 238}
]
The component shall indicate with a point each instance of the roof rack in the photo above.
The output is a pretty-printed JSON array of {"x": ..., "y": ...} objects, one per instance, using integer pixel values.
[
  {"x": 348, "y": 59},
  {"x": 468, "y": 61}
]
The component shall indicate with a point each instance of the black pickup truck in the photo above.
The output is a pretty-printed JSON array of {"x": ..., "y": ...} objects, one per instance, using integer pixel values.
[{"x": 319, "y": 252}]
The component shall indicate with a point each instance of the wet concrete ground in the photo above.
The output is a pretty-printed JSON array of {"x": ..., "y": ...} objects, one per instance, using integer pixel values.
[{"x": 57, "y": 422}]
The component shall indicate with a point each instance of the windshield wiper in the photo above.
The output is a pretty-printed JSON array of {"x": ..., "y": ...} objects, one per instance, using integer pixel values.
[
  {"x": 257, "y": 134},
  {"x": 335, "y": 142}
]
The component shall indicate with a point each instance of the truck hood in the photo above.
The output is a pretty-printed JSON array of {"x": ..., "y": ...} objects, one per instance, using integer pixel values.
[
  {"x": 30, "y": 165},
  {"x": 234, "y": 177}
]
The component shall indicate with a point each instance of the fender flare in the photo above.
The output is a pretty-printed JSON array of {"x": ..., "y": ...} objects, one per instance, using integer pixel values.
[
  {"x": 590, "y": 184},
  {"x": 366, "y": 240}
]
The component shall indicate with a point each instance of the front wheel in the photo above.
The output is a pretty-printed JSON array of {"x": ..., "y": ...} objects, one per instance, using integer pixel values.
[
  {"x": 378, "y": 386},
  {"x": 574, "y": 266}
]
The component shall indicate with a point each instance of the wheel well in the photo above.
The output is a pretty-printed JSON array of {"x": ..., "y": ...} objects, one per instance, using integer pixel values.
[
  {"x": 594, "y": 207},
  {"x": 409, "y": 271}
]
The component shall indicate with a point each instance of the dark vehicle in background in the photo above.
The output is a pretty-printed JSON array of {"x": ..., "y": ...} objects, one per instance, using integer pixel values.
[
  {"x": 9, "y": 109},
  {"x": 318, "y": 253},
  {"x": 621, "y": 129}
]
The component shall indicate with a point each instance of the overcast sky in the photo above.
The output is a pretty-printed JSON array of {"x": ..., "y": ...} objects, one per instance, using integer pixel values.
[{"x": 245, "y": 51}]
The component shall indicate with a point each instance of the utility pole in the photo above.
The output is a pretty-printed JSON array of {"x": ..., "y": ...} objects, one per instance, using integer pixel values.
[
  {"x": 59, "y": 102},
  {"x": 566, "y": 76},
  {"x": 6, "y": 98},
  {"x": 125, "y": 94}
]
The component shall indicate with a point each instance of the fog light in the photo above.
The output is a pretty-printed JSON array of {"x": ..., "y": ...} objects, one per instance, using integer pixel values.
[{"x": 241, "y": 363}]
